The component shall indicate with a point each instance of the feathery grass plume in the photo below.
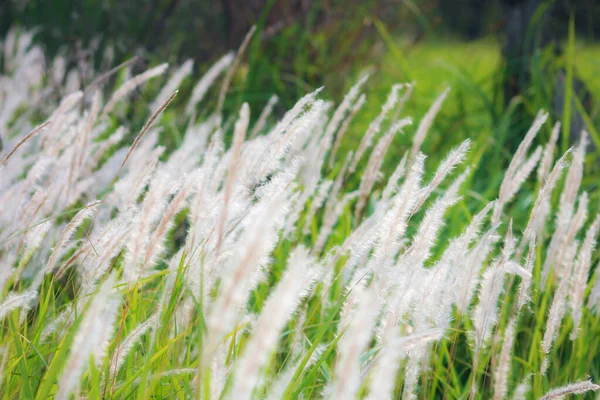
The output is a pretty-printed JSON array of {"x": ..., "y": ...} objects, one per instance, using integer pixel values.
[
  {"x": 330, "y": 219},
  {"x": 556, "y": 314},
  {"x": 239, "y": 135},
  {"x": 234, "y": 65},
  {"x": 392, "y": 184},
  {"x": 571, "y": 388},
  {"x": 178, "y": 203},
  {"x": 593, "y": 302},
  {"x": 172, "y": 84},
  {"x": 204, "y": 204},
  {"x": 580, "y": 275},
  {"x": 286, "y": 123},
  {"x": 575, "y": 174},
  {"x": 145, "y": 221},
  {"x": 333, "y": 197},
  {"x": 522, "y": 389},
  {"x": 375, "y": 126},
  {"x": 422, "y": 242},
  {"x": 96, "y": 83},
  {"x": 288, "y": 139},
  {"x": 485, "y": 314},
  {"x": 4, "y": 354},
  {"x": 293, "y": 287},
  {"x": 373, "y": 167},
  {"x": 322, "y": 193},
  {"x": 32, "y": 242},
  {"x": 21, "y": 142},
  {"x": 413, "y": 275},
  {"x": 518, "y": 167},
  {"x": 564, "y": 269},
  {"x": 131, "y": 85},
  {"x": 6, "y": 271},
  {"x": 147, "y": 127},
  {"x": 411, "y": 374},
  {"x": 541, "y": 207},
  {"x": 57, "y": 117},
  {"x": 345, "y": 105},
  {"x": 97, "y": 254},
  {"x": 92, "y": 116},
  {"x": 340, "y": 112},
  {"x": 455, "y": 156},
  {"x": 525, "y": 285},
  {"x": 548, "y": 155},
  {"x": 126, "y": 345},
  {"x": 362, "y": 99},
  {"x": 434, "y": 287},
  {"x": 466, "y": 269},
  {"x": 92, "y": 337},
  {"x": 17, "y": 300},
  {"x": 503, "y": 368},
  {"x": 566, "y": 206},
  {"x": 395, "y": 221},
  {"x": 264, "y": 115},
  {"x": 101, "y": 149},
  {"x": 426, "y": 123},
  {"x": 388, "y": 360},
  {"x": 240, "y": 275},
  {"x": 520, "y": 176},
  {"x": 407, "y": 93},
  {"x": 357, "y": 328},
  {"x": 207, "y": 81},
  {"x": 87, "y": 212}
]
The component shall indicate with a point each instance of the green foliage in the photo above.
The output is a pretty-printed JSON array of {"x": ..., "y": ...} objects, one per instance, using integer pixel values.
[{"x": 471, "y": 111}]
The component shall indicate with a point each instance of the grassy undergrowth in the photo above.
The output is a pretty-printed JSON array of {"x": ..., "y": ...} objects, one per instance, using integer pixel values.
[{"x": 206, "y": 254}]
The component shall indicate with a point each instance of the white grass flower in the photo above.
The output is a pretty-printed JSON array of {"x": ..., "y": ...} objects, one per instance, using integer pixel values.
[
  {"x": 426, "y": 123},
  {"x": 264, "y": 115},
  {"x": 519, "y": 167},
  {"x": 375, "y": 126},
  {"x": 292, "y": 288},
  {"x": 388, "y": 362},
  {"x": 526, "y": 280},
  {"x": 92, "y": 338},
  {"x": 131, "y": 84},
  {"x": 580, "y": 274},
  {"x": 485, "y": 314},
  {"x": 207, "y": 81},
  {"x": 341, "y": 110},
  {"x": 126, "y": 345},
  {"x": 17, "y": 300},
  {"x": 503, "y": 368},
  {"x": 172, "y": 84},
  {"x": 87, "y": 212},
  {"x": 571, "y": 388},
  {"x": 455, "y": 157},
  {"x": 373, "y": 167},
  {"x": 357, "y": 332},
  {"x": 548, "y": 155},
  {"x": 344, "y": 128},
  {"x": 522, "y": 389}
]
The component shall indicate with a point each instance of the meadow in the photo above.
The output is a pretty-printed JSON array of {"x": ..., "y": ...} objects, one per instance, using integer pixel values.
[{"x": 162, "y": 238}]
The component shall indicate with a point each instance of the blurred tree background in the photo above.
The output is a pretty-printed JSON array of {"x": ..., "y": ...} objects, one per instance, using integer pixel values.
[
  {"x": 504, "y": 59},
  {"x": 299, "y": 42}
]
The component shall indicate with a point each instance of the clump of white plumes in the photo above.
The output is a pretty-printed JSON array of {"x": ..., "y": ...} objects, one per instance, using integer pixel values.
[{"x": 201, "y": 229}]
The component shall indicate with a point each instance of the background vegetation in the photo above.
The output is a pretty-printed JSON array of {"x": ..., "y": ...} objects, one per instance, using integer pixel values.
[{"x": 302, "y": 45}]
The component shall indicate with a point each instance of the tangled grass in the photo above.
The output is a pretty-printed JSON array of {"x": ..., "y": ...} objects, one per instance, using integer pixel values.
[{"x": 255, "y": 270}]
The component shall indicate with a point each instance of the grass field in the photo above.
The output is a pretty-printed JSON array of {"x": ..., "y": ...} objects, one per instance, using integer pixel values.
[{"x": 154, "y": 246}]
